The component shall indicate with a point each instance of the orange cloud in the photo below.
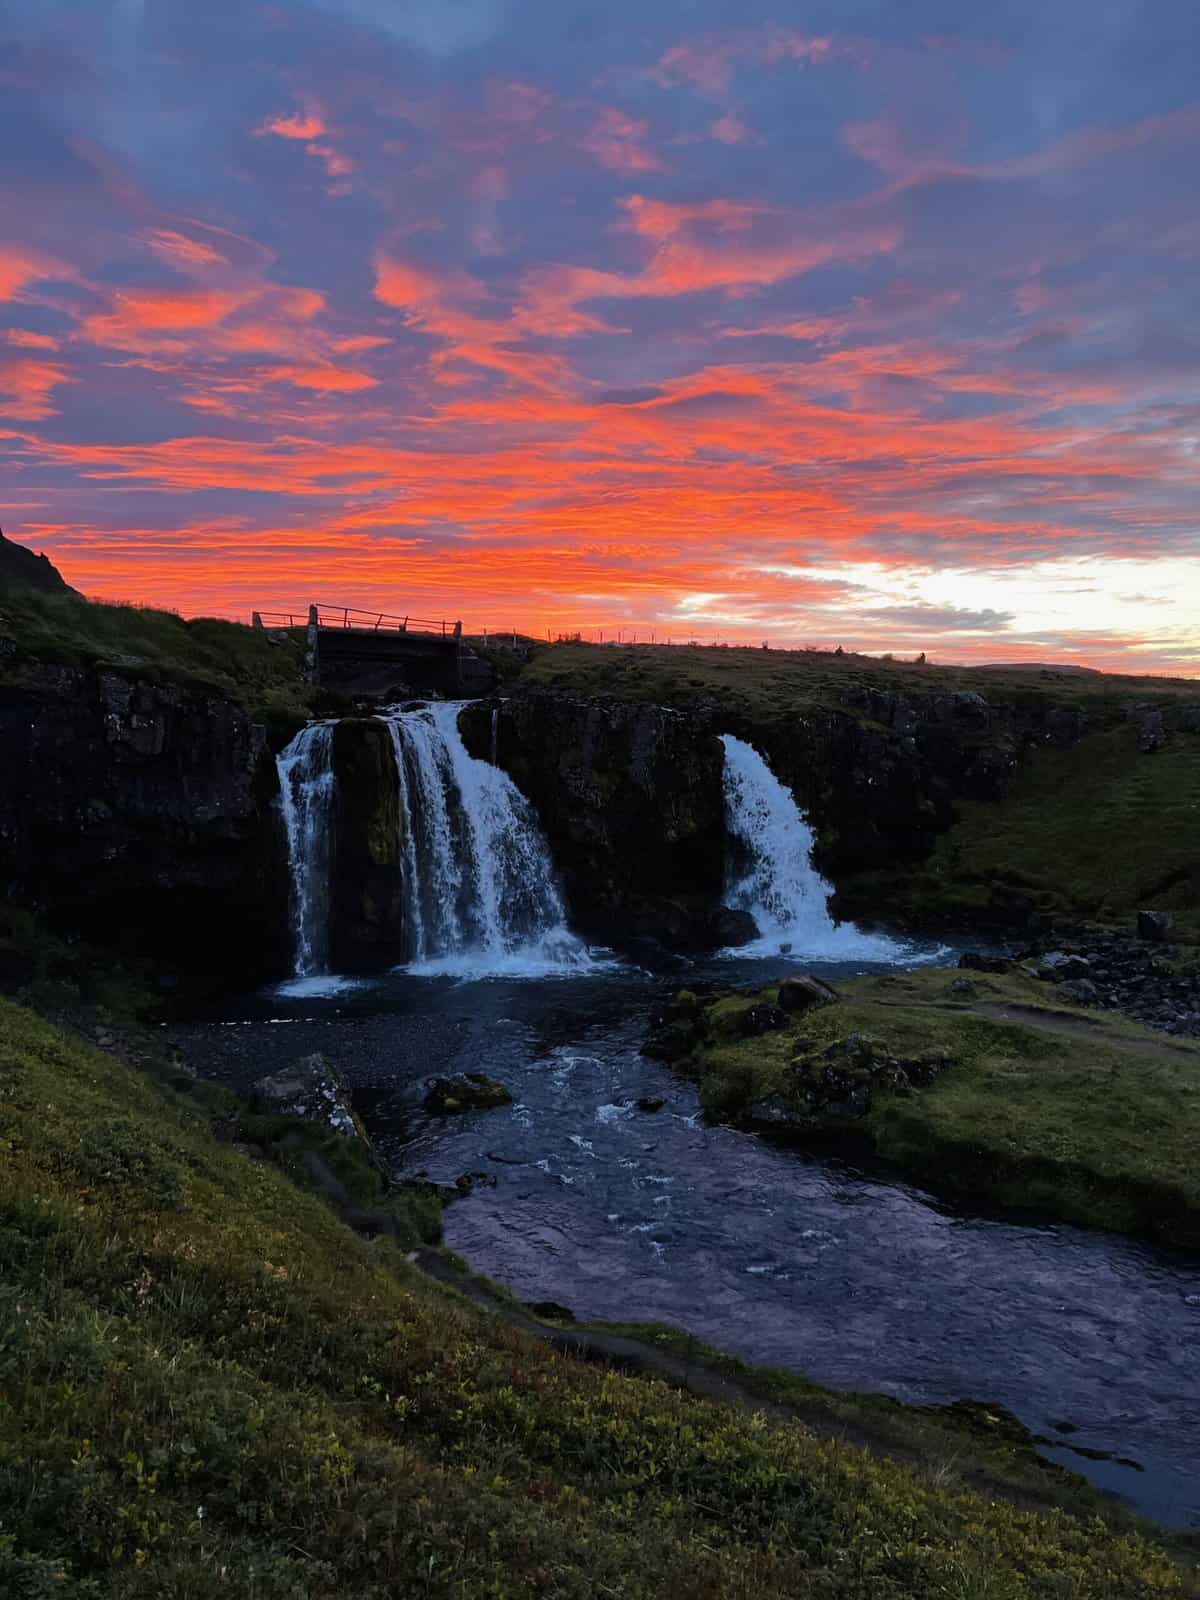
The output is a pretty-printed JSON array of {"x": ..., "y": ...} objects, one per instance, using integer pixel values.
[
  {"x": 30, "y": 341},
  {"x": 26, "y": 387},
  {"x": 302, "y": 125},
  {"x": 338, "y": 380},
  {"x": 20, "y": 267}
]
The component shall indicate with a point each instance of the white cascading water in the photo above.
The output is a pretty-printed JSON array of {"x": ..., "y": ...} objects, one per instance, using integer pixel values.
[
  {"x": 479, "y": 890},
  {"x": 774, "y": 879},
  {"x": 306, "y": 793}
]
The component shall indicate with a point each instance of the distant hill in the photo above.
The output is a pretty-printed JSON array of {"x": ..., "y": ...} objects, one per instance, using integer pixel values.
[
  {"x": 21, "y": 568},
  {"x": 1036, "y": 666}
]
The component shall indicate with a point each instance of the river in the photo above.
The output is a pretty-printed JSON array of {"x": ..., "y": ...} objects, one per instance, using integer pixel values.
[{"x": 832, "y": 1269}]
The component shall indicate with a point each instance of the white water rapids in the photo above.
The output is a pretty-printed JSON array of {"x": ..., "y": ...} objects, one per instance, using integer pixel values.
[{"x": 771, "y": 873}]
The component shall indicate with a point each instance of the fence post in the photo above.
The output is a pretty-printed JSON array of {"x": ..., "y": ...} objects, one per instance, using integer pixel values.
[
  {"x": 311, "y": 660},
  {"x": 403, "y": 628},
  {"x": 458, "y": 629},
  {"x": 256, "y": 621}
]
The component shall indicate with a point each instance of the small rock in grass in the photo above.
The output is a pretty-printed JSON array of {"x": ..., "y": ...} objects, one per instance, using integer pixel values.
[
  {"x": 804, "y": 992},
  {"x": 1154, "y": 926},
  {"x": 1082, "y": 990},
  {"x": 1060, "y": 965}
]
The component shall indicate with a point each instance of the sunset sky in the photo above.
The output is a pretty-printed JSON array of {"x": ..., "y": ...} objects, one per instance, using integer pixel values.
[{"x": 870, "y": 322}]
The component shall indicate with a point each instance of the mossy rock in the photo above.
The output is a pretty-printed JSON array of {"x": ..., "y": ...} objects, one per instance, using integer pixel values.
[{"x": 469, "y": 1091}]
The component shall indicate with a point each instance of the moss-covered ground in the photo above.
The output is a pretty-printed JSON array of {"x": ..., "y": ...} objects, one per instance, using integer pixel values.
[
  {"x": 1044, "y": 1106},
  {"x": 228, "y": 658},
  {"x": 209, "y": 1386}
]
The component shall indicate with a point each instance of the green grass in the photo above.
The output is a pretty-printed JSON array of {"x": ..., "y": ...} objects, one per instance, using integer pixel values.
[
  {"x": 1098, "y": 1127},
  {"x": 770, "y": 683},
  {"x": 1094, "y": 832},
  {"x": 209, "y": 1386},
  {"x": 66, "y": 977},
  {"x": 226, "y": 657}
]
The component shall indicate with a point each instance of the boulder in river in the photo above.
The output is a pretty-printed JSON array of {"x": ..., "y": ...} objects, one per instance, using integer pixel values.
[{"x": 470, "y": 1091}]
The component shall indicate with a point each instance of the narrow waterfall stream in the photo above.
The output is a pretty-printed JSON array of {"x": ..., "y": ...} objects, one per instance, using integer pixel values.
[
  {"x": 306, "y": 795},
  {"x": 771, "y": 875},
  {"x": 480, "y": 896}
]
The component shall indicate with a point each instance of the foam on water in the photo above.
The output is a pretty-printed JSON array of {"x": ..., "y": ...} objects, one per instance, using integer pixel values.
[{"x": 772, "y": 877}]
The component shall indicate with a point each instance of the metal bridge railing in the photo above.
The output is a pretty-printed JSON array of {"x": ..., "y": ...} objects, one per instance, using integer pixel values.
[{"x": 350, "y": 617}]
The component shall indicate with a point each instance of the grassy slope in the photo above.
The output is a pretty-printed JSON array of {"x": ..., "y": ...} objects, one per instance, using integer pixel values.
[
  {"x": 207, "y": 653},
  {"x": 207, "y": 1385},
  {"x": 1092, "y": 832},
  {"x": 772, "y": 682},
  {"x": 1099, "y": 1126}
]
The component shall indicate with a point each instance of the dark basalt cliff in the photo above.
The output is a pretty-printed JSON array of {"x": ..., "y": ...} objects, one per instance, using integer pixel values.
[
  {"x": 630, "y": 793},
  {"x": 630, "y": 796},
  {"x": 366, "y": 885},
  {"x": 140, "y": 814}
]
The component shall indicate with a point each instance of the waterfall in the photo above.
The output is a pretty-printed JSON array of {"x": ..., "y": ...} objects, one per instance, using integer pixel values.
[
  {"x": 771, "y": 873},
  {"x": 479, "y": 890},
  {"x": 306, "y": 790}
]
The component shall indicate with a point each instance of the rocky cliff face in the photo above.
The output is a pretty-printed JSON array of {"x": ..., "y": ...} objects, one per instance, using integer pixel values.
[
  {"x": 631, "y": 793},
  {"x": 631, "y": 799},
  {"x": 140, "y": 814},
  {"x": 367, "y": 900}
]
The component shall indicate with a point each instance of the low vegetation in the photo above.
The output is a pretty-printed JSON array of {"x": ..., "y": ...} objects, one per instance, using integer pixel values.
[
  {"x": 208, "y": 1385},
  {"x": 264, "y": 673},
  {"x": 765, "y": 684},
  {"x": 1032, "y": 1103},
  {"x": 1090, "y": 833}
]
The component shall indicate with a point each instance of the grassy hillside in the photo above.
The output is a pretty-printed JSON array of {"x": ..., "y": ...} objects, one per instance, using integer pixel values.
[
  {"x": 243, "y": 663},
  {"x": 208, "y": 1386},
  {"x": 1090, "y": 833},
  {"x": 1042, "y": 1105}
]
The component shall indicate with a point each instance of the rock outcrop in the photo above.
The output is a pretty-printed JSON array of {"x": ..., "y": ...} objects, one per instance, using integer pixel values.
[
  {"x": 366, "y": 884},
  {"x": 139, "y": 814},
  {"x": 630, "y": 796},
  {"x": 22, "y": 568}
]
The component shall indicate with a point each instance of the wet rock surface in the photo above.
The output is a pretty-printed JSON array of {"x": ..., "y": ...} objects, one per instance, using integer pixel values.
[
  {"x": 470, "y": 1091},
  {"x": 314, "y": 1090},
  {"x": 631, "y": 799}
]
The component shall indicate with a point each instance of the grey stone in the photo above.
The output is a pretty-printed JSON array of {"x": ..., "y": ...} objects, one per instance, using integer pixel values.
[
  {"x": 803, "y": 992},
  {"x": 1154, "y": 925},
  {"x": 314, "y": 1090}
]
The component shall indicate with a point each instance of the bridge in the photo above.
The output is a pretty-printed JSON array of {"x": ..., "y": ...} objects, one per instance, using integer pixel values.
[{"x": 382, "y": 655}]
